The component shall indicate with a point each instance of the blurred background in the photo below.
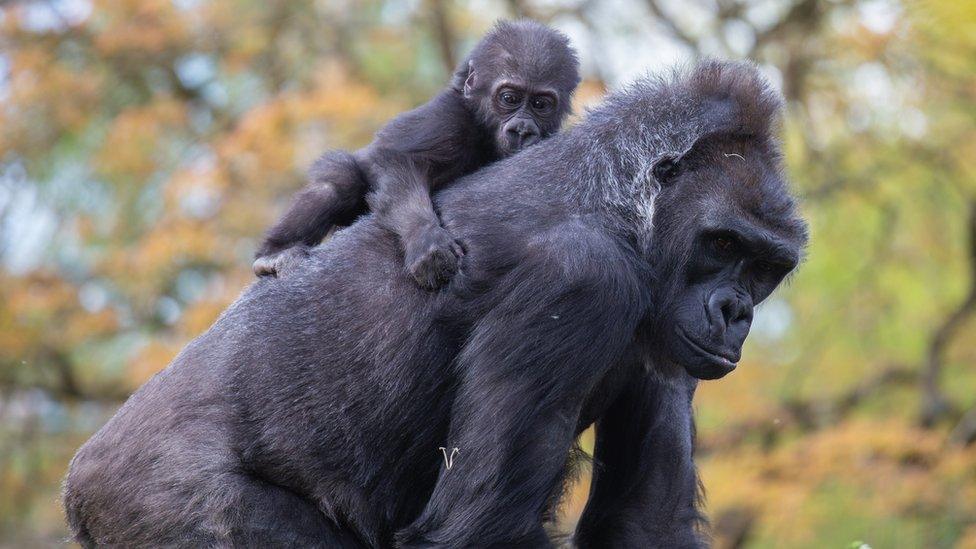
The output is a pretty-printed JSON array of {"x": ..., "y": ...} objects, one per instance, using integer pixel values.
[{"x": 146, "y": 144}]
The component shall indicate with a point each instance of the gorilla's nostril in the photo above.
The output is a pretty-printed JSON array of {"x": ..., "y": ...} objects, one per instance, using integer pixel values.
[
  {"x": 521, "y": 135},
  {"x": 737, "y": 312},
  {"x": 725, "y": 308},
  {"x": 745, "y": 315},
  {"x": 730, "y": 310}
]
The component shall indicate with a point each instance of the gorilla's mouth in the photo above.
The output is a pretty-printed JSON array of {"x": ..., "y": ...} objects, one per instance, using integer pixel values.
[{"x": 715, "y": 364}]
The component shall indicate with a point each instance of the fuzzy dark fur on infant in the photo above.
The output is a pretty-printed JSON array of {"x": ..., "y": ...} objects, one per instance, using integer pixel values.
[{"x": 511, "y": 92}]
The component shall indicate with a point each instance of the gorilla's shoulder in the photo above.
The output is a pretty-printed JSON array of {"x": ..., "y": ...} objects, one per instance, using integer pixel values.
[{"x": 585, "y": 250}]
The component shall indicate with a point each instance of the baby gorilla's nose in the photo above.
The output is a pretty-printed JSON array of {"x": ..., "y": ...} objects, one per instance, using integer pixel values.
[{"x": 521, "y": 133}]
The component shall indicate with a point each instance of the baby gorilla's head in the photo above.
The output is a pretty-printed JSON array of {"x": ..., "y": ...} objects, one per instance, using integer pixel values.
[{"x": 519, "y": 80}]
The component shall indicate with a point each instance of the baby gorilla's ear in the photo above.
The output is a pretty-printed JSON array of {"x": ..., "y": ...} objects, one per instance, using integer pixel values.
[{"x": 470, "y": 81}]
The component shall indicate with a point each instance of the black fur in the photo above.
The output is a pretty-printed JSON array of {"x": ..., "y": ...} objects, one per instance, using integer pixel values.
[
  {"x": 313, "y": 411},
  {"x": 463, "y": 128}
]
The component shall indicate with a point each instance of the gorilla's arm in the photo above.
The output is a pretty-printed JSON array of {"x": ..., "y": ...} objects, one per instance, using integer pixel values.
[
  {"x": 403, "y": 205},
  {"x": 526, "y": 369},
  {"x": 645, "y": 486}
]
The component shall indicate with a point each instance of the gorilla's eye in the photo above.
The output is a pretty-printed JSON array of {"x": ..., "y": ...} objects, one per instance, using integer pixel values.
[
  {"x": 541, "y": 104},
  {"x": 510, "y": 98},
  {"x": 666, "y": 170},
  {"x": 765, "y": 267},
  {"x": 723, "y": 244}
]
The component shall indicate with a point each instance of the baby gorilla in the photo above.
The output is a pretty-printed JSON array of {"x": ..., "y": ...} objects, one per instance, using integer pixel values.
[{"x": 511, "y": 92}]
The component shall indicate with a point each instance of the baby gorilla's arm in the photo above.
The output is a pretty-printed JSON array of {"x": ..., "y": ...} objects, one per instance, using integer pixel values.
[
  {"x": 416, "y": 153},
  {"x": 401, "y": 201}
]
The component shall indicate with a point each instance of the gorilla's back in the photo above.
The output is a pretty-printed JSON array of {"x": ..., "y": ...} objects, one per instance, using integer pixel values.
[
  {"x": 313, "y": 379},
  {"x": 328, "y": 341}
]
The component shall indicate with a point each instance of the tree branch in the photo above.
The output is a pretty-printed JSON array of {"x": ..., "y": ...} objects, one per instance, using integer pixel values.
[
  {"x": 672, "y": 26},
  {"x": 935, "y": 405},
  {"x": 806, "y": 14},
  {"x": 964, "y": 432},
  {"x": 444, "y": 33},
  {"x": 521, "y": 9},
  {"x": 809, "y": 415}
]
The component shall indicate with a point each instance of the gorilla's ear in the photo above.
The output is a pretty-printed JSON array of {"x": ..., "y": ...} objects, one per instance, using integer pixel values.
[
  {"x": 736, "y": 99},
  {"x": 463, "y": 80},
  {"x": 470, "y": 81},
  {"x": 712, "y": 98}
]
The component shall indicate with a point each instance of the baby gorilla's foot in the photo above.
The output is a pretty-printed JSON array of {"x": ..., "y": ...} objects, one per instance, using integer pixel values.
[
  {"x": 281, "y": 262},
  {"x": 432, "y": 257}
]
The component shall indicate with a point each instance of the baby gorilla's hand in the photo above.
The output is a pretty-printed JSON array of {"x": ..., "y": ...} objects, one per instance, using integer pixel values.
[
  {"x": 432, "y": 257},
  {"x": 280, "y": 262}
]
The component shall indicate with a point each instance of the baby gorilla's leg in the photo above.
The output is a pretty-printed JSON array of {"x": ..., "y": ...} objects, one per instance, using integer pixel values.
[{"x": 335, "y": 196}]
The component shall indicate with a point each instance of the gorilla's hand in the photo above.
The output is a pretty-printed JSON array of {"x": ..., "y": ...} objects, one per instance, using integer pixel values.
[
  {"x": 280, "y": 262},
  {"x": 432, "y": 256}
]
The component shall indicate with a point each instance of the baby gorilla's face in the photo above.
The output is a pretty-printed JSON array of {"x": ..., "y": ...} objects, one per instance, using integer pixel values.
[
  {"x": 520, "y": 82},
  {"x": 524, "y": 115},
  {"x": 519, "y": 79}
]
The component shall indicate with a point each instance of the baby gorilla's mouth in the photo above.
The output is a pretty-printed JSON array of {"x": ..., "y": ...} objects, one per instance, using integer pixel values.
[{"x": 507, "y": 148}]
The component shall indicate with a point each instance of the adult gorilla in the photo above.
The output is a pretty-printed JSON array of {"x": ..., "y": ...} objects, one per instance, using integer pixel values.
[{"x": 313, "y": 411}]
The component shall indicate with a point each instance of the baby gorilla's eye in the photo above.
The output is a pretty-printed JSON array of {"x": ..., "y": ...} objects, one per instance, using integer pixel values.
[
  {"x": 510, "y": 99},
  {"x": 541, "y": 104}
]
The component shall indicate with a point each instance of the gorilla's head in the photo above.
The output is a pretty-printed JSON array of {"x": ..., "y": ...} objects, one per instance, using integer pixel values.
[
  {"x": 519, "y": 79},
  {"x": 726, "y": 235},
  {"x": 694, "y": 180}
]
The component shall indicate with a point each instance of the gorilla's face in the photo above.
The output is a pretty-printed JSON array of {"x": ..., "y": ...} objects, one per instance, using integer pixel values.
[
  {"x": 732, "y": 268},
  {"x": 728, "y": 238}
]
